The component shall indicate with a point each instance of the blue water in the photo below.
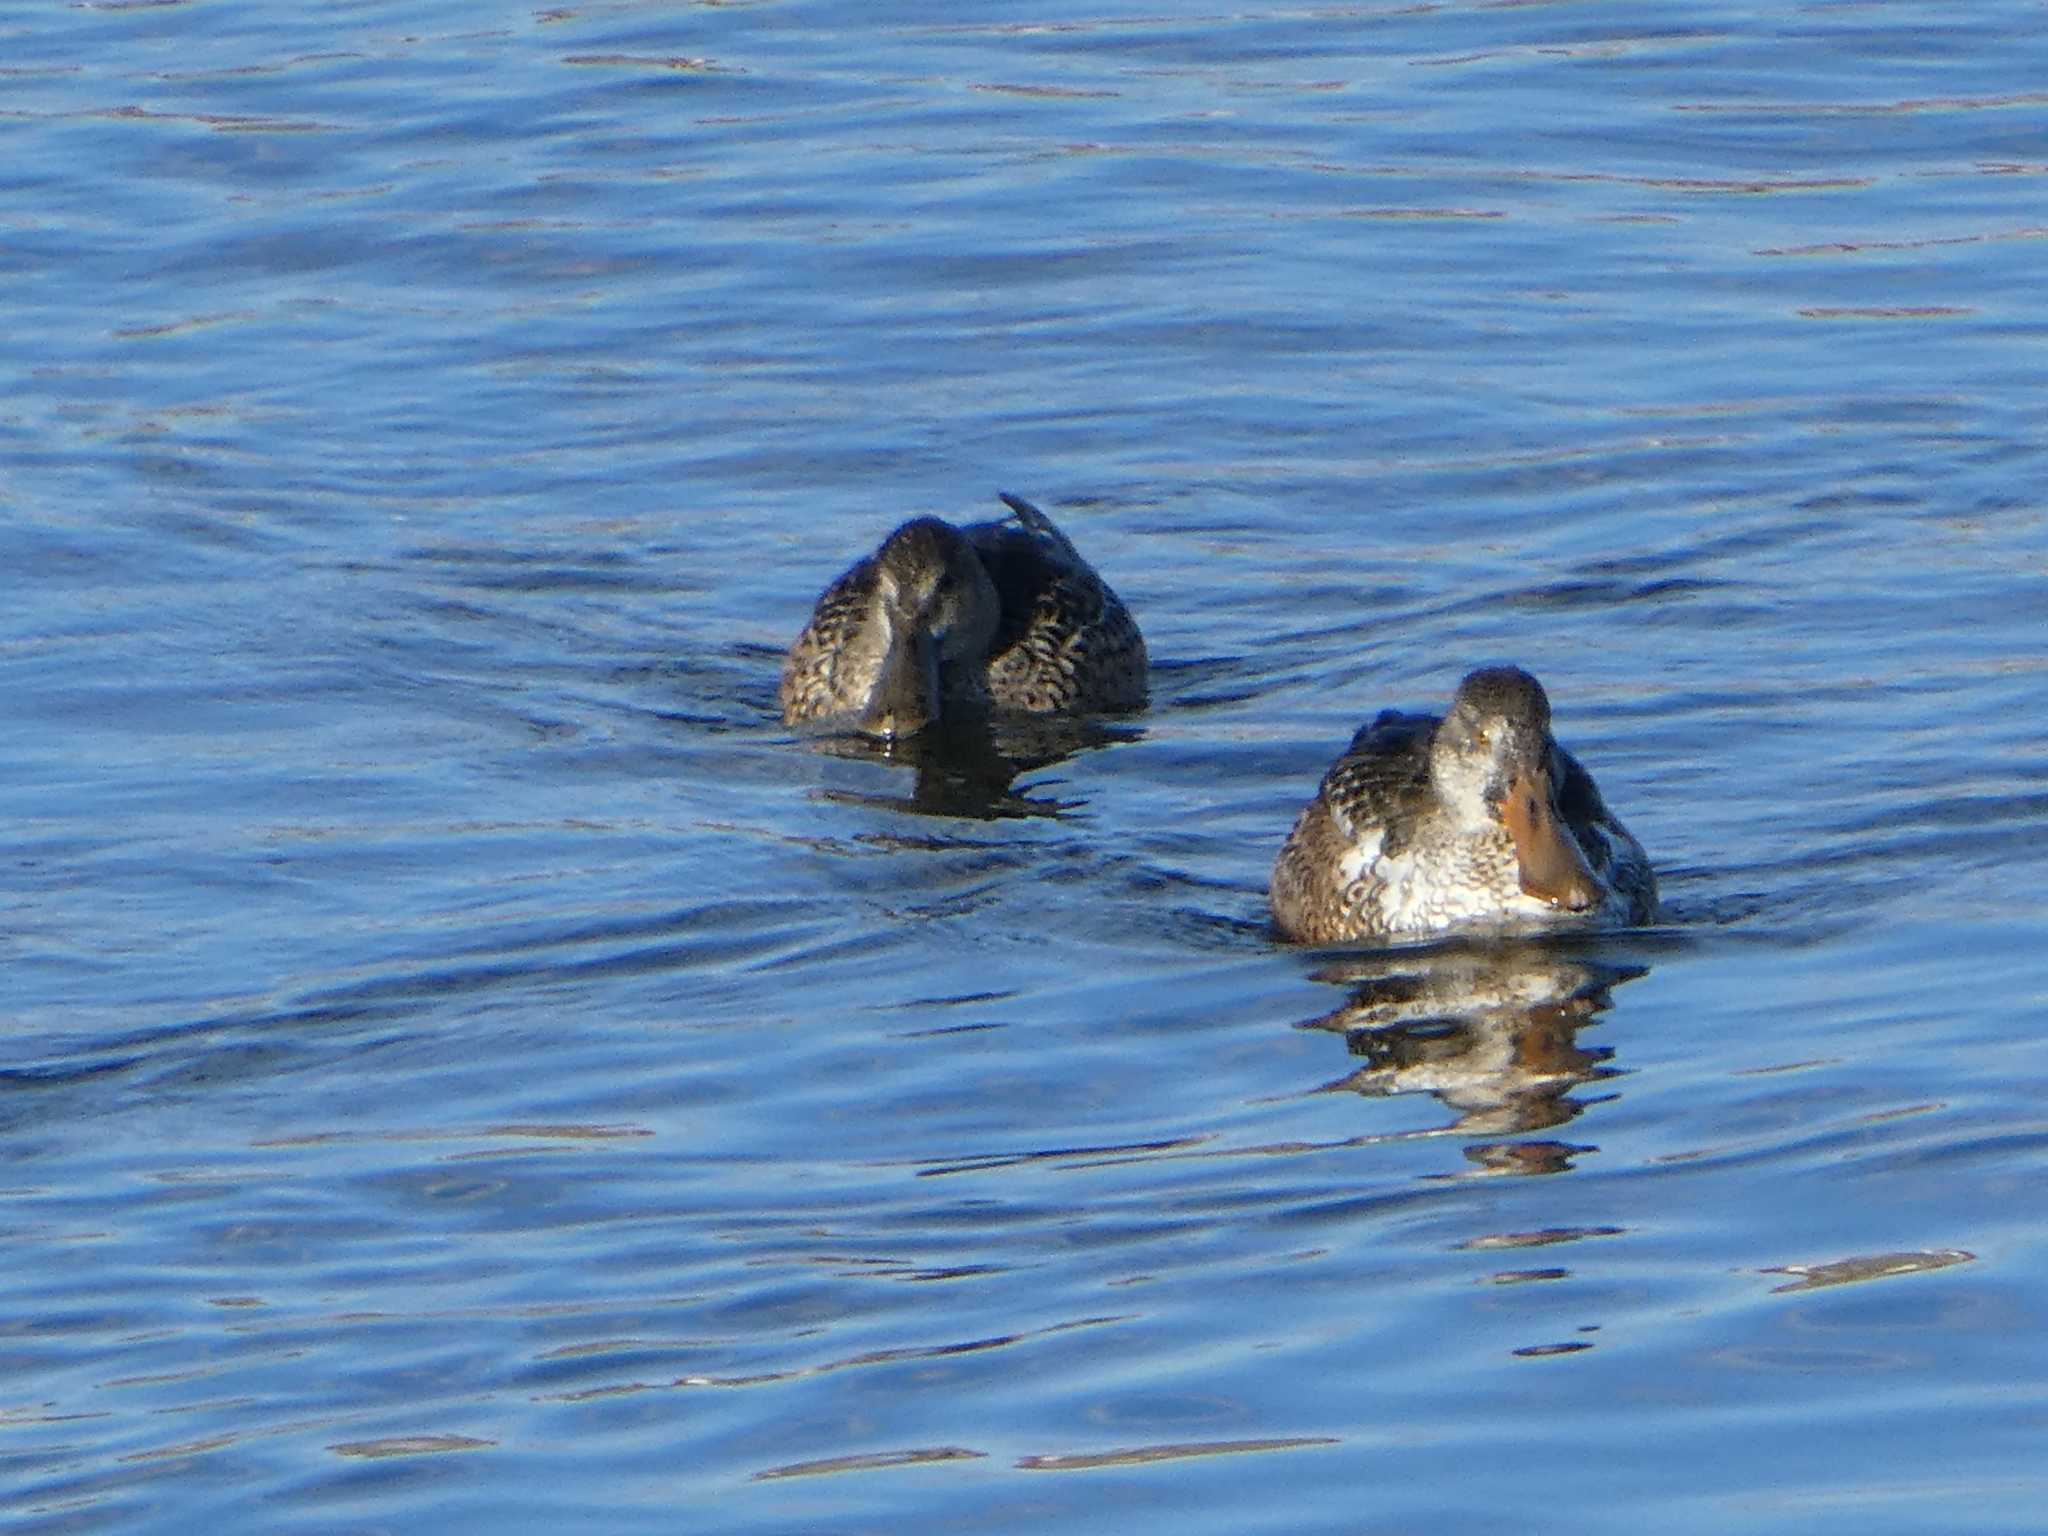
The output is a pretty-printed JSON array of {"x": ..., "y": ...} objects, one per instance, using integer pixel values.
[{"x": 471, "y": 1069}]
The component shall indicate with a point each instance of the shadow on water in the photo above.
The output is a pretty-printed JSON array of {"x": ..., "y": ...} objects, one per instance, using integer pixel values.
[
  {"x": 1491, "y": 1029},
  {"x": 967, "y": 770}
]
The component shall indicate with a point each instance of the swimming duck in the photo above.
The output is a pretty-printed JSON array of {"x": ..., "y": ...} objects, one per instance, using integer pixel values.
[
  {"x": 943, "y": 623},
  {"x": 1477, "y": 818}
]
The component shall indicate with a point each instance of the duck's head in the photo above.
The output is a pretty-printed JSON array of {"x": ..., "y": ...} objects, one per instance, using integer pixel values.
[
  {"x": 1493, "y": 761},
  {"x": 937, "y": 610}
]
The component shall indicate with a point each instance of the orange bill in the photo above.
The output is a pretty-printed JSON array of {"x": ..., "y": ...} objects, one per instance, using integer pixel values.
[{"x": 1554, "y": 870}]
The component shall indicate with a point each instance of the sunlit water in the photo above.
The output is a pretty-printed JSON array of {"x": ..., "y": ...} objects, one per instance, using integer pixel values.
[{"x": 469, "y": 1069}]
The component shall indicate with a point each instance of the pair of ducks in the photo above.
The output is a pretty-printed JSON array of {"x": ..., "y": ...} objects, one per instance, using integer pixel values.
[{"x": 1424, "y": 823}]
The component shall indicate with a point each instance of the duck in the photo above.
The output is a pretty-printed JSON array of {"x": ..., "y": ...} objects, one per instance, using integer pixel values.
[
  {"x": 1473, "y": 819},
  {"x": 944, "y": 624}
]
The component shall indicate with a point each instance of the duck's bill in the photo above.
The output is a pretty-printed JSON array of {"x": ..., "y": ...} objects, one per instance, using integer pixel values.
[
  {"x": 906, "y": 696},
  {"x": 1553, "y": 868}
]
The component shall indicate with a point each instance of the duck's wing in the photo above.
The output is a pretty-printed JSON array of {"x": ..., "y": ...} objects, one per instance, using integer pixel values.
[
  {"x": 1325, "y": 888},
  {"x": 1381, "y": 783},
  {"x": 827, "y": 672},
  {"x": 1617, "y": 858},
  {"x": 1577, "y": 795},
  {"x": 1395, "y": 732},
  {"x": 1065, "y": 641}
]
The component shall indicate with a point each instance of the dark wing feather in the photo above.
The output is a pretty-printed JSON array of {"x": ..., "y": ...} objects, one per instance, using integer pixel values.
[
  {"x": 1612, "y": 850},
  {"x": 1065, "y": 641},
  {"x": 1382, "y": 780}
]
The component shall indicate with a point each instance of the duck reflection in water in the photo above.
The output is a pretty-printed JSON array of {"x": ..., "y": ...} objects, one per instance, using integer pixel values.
[
  {"x": 1490, "y": 1029},
  {"x": 967, "y": 768},
  {"x": 970, "y": 653}
]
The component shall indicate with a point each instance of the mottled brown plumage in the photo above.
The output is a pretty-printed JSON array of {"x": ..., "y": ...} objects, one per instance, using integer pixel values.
[
  {"x": 1427, "y": 824},
  {"x": 945, "y": 623},
  {"x": 900, "y": 638}
]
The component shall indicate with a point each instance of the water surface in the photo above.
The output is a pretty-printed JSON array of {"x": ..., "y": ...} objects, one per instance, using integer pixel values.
[{"x": 470, "y": 1068}]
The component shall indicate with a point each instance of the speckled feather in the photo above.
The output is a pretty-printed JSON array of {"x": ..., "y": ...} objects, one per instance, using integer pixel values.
[
  {"x": 904, "y": 633},
  {"x": 815, "y": 683},
  {"x": 1066, "y": 643},
  {"x": 1374, "y": 854},
  {"x": 1063, "y": 641}
]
